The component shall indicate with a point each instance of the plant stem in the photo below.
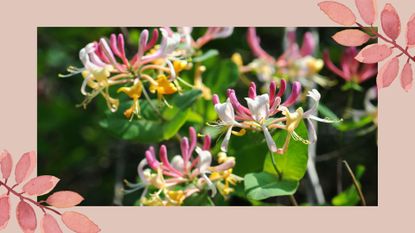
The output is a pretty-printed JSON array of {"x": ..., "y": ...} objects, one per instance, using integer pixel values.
[
  {"x": 392, "y": 42},
  {"x": 20, "y": 195},
  {"x": 293, "y": 200},
  {"x": 355, "y": 182},
  {"x": 210, "y": 201},
  {"x": 274, "y": 164},
  {"x": 279, "y": 173}
]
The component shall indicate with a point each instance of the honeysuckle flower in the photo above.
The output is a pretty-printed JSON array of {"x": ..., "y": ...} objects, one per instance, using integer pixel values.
[
  {"x": 162, "y": 86},
  {"x": 187, "y": 171},
  {"x": 134, "y": 92},
  {"x": 293, "y": 119},
  {"x": 296, "y": 63},
  {"x": 154, "y": 67},
  {"x": 259, "y": 113},
  {"x": 351, "y": 70}
]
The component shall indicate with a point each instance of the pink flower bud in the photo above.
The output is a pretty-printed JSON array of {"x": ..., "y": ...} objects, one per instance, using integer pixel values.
[
  {"x": 295, "y": 93},
  {"x": 283, "y": 85},
  {"x": 252, "y": 90},
  {"x": 151, "y": 160},
  {"x": 184, "y": 146},
  {"x": 215, "y": 99},
  {"x": 309, "y": 44},
  {"x": 206, "y": 143},
  {"x": 193, "y": 140}
]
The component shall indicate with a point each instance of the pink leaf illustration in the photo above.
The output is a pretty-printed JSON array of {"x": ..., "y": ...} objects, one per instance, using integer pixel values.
[
  {"x": 388, "y": 73},
  {"x": 49, "y": 225},
  {"x": 26, "y": 217},
  {"x": 25, "y": 166},
  {"x": 338, "y": 12},
  {"x": 351, "y": 37},
  {"x": 79, "y": 223},
  {"x": 6, "y": 164},
  {"x": 4, "y": 211},
  {"x": 40, "y": 185},
  {"x": 410, "y": 33},
  {"x": 367, "y": 10},
  {"x": 406, "y": 77},
  {"x": 64, "y": 199},
  {"x": 391, "y": 24},
  {"x": 374, "y": 53}
]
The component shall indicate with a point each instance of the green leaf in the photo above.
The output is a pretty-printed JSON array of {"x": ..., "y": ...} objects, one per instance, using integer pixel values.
[
  {"x": 209, "y": 54},
  {"x": 153, "y": 128},
  {"x": 249, "y": 151},
  {"x": 220, "y": 75},
  {"x": 259, "y": 186},
  {"x": 293, "y": 163}
]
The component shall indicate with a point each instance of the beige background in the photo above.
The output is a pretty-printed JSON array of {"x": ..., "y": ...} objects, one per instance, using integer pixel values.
[{"x": 18, "y": 115}]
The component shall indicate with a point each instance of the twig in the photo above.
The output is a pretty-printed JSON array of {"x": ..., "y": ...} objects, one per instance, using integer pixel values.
[
  {"x": 395, "y": 45},
  {"x": 21, "y": 197},
  {"x": 293, "y": 200},
  {"x": 355, "y": 182}
]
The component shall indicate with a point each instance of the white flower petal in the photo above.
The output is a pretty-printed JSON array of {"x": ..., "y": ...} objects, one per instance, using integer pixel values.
[
  {"x": 140, "y": 171},
  {"x": 259, "y": 107},
  {"x": 270, "y": 141},
  {"x": 205, "y": 160},
  {"x": 225, "y": 142},
  {"x": 177, "y": 163},
  {"x": 226, "y": 112}
]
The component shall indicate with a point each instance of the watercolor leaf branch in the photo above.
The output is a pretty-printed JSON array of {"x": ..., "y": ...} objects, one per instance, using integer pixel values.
[
  {"x": 38, "y": 186},
  {"x": 387, "y": 45}
]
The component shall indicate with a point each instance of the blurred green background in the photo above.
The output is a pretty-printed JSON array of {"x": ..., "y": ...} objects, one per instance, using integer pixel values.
[{"x": 87, "y": 159}]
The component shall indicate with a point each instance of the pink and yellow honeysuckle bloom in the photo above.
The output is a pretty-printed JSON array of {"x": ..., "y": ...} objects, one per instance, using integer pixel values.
[
  {"x": 295, "y": 64},
  {"x": 185, "y": 174},
  {"x": 351, "y": 70},
  {"x": 266, "y": 112},
  {"x": 155, "y": 67}
]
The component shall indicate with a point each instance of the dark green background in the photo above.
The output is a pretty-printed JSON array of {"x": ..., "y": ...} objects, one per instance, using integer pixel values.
[{"x": 73, "y": 147}]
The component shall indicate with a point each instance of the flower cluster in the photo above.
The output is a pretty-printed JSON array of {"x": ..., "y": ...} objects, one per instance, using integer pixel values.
[
  {"x": 185, "y": 174},
  {"x": 295, "y": 64},
  {"x": 155, "y": 66},
  {"x": 267, "y": 112}
]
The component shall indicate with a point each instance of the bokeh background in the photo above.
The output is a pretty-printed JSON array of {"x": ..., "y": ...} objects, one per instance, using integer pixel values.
[{"x": 74, "y": 147}]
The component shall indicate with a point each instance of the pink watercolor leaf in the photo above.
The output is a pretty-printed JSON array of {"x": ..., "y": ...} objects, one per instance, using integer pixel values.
[
  {"x": 79, "y": 223},
  {"x": 49, "y": 225},
  {"x": 406, "y": 77},
  {"x": 40, "y": 185},
  {"x": 26, "y": 217},
  {"x": 367, "y": 10},
  {"x": 388, "y": 73},
  {"x": 391, "y": 24},
  {"x": 410, "y": 33},
  {"x": 351, "y": 37},
  {"x": 4, "y": 211},
  {"x": 6, "y": 164},
  {"x": 64, "y": 199},
  {"x": 25, "y": 166},
  {"x": 373, "y": 53},
  {"x": 338, "y": 12}
]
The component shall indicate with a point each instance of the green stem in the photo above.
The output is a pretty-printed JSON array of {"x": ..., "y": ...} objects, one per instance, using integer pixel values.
[
  {"x": 210, "y": 201},
  {"x": 274, "y": 164},
  {"x": 355, "y": 182},
  {"x": 293, "y": 200}
]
